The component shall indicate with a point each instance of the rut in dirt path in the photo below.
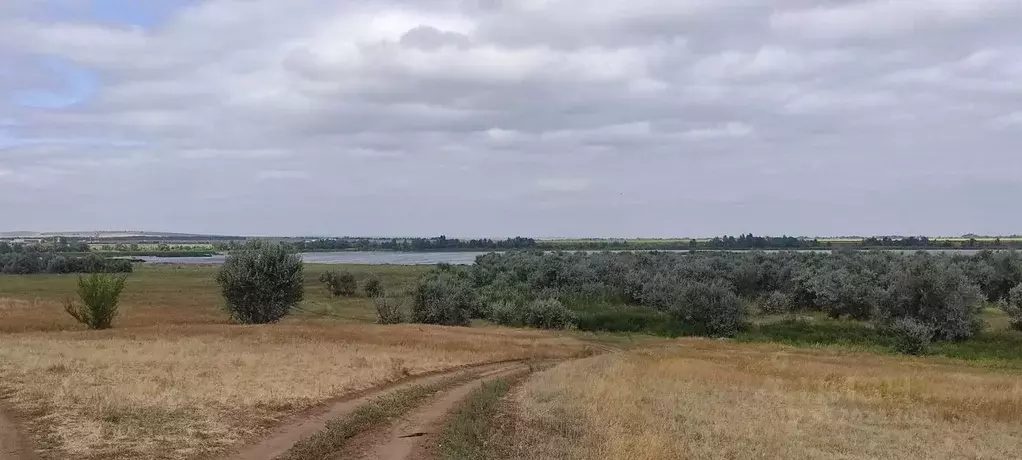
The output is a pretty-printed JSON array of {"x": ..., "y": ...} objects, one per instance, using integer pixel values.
[
  {"x": 12, "y": 445},
  {"x": 404, "y": 439},
  {"x": 284, "y": 437}
]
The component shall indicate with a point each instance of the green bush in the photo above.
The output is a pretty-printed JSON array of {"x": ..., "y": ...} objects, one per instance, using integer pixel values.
[
  {"x": 636, "y": 321},
  {"x": 262, "y": 282},
  {"x": 99, "y": 295},
  {"x": 505, "y": 313},
  {"x": 339, "y": 283},
  {"x": 547, "y": 314},
  {"x": 373, "y": 288},
  {"x": 389, "y": 310},
  {"x": 711, "y": 308},
  {"x": 444, "y": 297},
  {"x": 910, "y": 336}
]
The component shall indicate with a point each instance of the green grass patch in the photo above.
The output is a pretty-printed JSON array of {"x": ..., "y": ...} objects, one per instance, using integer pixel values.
[
  {"x": 371, "y": 415},
  {"x": 470, "y": 427},
  {"x": 995, "y": 347}
]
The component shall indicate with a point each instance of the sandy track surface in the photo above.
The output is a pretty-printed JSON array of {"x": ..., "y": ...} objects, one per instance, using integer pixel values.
[{"x": 281, "y": 439}]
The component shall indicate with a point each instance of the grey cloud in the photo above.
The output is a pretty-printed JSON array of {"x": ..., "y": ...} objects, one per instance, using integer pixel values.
[{"x": 558, "y": 117}]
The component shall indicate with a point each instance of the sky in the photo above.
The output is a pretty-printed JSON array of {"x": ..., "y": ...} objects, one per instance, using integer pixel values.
[{"x": 616, "y": 118}]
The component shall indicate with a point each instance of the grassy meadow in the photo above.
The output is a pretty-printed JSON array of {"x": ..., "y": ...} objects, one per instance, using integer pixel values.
[{"x": 175, "y": 380}]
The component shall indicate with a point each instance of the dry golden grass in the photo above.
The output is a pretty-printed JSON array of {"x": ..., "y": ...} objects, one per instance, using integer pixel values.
[
  {"x": 173, "y": 380},
  {"x": 702, "y": 399},
  {"x": 179, "y": 392}
]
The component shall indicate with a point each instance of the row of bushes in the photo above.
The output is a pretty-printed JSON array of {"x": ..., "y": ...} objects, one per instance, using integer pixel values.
[
  {"x": 917, "y": 298},
  {"x": 30, "y": 263}
]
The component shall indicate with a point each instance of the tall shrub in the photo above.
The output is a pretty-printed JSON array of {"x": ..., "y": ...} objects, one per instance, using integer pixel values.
[
  {"x": 262, "y": 282},
  {"x": 99, "y": 295}
]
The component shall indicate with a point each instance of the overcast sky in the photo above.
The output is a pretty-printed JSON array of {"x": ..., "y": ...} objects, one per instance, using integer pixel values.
[{"x": 508, "y": 117}]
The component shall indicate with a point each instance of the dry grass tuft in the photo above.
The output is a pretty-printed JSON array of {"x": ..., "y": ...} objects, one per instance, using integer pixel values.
[{"x": 717, "y": 400}]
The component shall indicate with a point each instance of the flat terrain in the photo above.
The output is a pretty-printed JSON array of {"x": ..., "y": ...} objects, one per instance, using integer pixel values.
[
  {"x": 174, "y": 380},
  {"x": 707, "y": 399}
]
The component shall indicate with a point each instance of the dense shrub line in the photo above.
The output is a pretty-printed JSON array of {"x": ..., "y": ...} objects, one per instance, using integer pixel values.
[
  {"x": 29, "y": 263},
  {"x": 918, "y": 297}
]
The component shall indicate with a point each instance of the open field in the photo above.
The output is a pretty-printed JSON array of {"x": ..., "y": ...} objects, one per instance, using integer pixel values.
[
  {"x": 163, "y": 295},
  {"x": 706, "y": 399},
  {"x": 173, "y": 380}
]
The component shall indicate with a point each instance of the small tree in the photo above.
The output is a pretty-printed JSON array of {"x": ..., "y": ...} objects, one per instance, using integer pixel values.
[
  {"x": 262, "y": 282},
  {"x": 99, "y": 295},
  {"x": 374, "y": 288}
]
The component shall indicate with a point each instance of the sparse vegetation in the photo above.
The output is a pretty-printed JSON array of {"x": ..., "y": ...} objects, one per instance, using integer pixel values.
[
  {"x": 262, "y": 282},
  {"x": 389, "y": 311},
  {"x": 99, "y": 295}
]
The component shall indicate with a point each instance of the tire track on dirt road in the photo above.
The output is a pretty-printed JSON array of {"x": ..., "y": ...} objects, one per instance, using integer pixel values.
[
  {"x": 281, "y": 439},
  {"x": 403, "y": 440}
]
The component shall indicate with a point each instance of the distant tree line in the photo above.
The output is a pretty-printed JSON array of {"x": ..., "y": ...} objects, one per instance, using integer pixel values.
[
  {"x": 440, "y": 243},
  {"x": 28, "y": 263},
  {"x": 55, "y": 245},
  {"x": 726, "y": 242}
]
